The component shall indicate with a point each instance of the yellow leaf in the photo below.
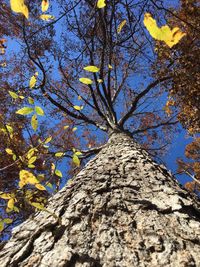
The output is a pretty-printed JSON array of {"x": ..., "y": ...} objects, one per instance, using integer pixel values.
[
  {"x": 1, "y": 226},
  {"x": 47, "y": 17},
  {"x": 110, "y": 67},
  {"x": 13, "y": 94},
  {"x": 48, "y": 140},
  {"x": 91, "y": 68},
  {"x": 24, "y": 111},
  {"x": 101, "y": 3},
  {"x": 11, "y": 203},
  {"x": 7, "y": 220},
  {"x": 33, "y": 80},
  {"x": 40, "y": 187},
  {"x": 37, "y": 205},
  {"x": 18, "y": 6},
  {"x": 32, "y": 160},
  {"x": 99, "y": 80},
  {"x": 5, "y": 195},
  {"x": 121, "y": 25},
  {"x": 76, "y": 160},
  {"x": 78, "y": 107},
  {"x": 65, "y": 127},
  {"x": 59, "y": 154},
  {"x": 9, "y": 151},
  {"x": 170, "y": 37},
  {"x": 85, "y": 81},
  {"x": 26, "y": 177},
  {"x": 34, "y": 122},
  {"x": 74, "y": 129},
  {"x": 79, "y": 97},
  {"x": 45, "y": 5}
]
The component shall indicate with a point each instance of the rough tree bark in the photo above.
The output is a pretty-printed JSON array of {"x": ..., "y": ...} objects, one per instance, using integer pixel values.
[{"x": 121, "y": 210}]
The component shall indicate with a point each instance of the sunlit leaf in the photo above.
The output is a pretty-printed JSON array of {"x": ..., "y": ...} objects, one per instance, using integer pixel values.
[
  {"x": 25, "y": 111},
  {"x": 101, "y": 3},
  {"x": 9, "y": 151},
  {"x": 11, "y": 203},
  {"x": 13, "y": 94},
  {"x": 47, "y": 17},
  {"x": 59, "y": 154},
  {"x": 40, "y": 187},
  {"x": 91, "y": 68},
  {"x": 37, "y": 205},
  {"x": 33, "y": 80},
  {"x": 39, "y": 111},
  {"x": 79, "y": 97},
  {"x": 31, "y": 100},
  {"x": 170, "y": 37},
  {"x": 32, "y": 160},
  {"x": 31, "y": 166},
  {"x": 18, "y": 6},
  {"x": 58, "y": 173},
  {"x": 76, "y": 160},
  {"x": 110, "y": 67},
  {"x": 45, "y": 5},
  {"x": 27, "y": 177},
  {"x": 66, "y": 127},
  {"x": 1, "y": 226},
  {"x": 9, "y": 128},
  {"x": 85, "y": 81},
  {"x": 78, "y": 153},
  {"x": 34, "y": 122},
  {"x": 50, "y": 185},
  {"x": 5, "y": 195},
  {"x": 78, "y": 107},
  {"x": 121, "y": 25},
  {"x": 74, "y": 129},
  {"x": 99, "y": 80},
  {"x": 7, "y": 220},
  {"x": 48, "y": 140}
]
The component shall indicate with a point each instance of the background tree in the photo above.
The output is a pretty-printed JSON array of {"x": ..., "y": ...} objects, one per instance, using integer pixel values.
[{"x": 183, "y": 65}]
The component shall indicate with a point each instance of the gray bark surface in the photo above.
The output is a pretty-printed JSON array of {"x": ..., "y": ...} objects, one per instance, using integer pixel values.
[{"x": 121, "y": 210}]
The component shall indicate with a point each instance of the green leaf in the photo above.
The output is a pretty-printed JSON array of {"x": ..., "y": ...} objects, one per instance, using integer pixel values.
[
  {"x": 31, "y": 101},
  {"x": 50, "y": 185},
  {"x": 14, "y": 157},
  {"x": 9, "y": 128},
  {"x": 76, "y": 160},
  {"x": 32, "y": 160},
  {"x": 24, "y": 111},
  {"x": 38, "y": 206},
  {"x": 7, "y": 220},
  {"x": 58, "y": 173},
  {"x": 34, "y": 122},
  {"x": 13, "y": 94},
  {"x": 59, "y": 154},
  {"x": 31, "y": 166},
  {"x": 1, "y": 226},
  {"x": 39, "y": 111}
]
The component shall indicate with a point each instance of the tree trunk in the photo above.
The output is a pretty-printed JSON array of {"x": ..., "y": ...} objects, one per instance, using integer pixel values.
[{"x": 121, "y": 210}]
